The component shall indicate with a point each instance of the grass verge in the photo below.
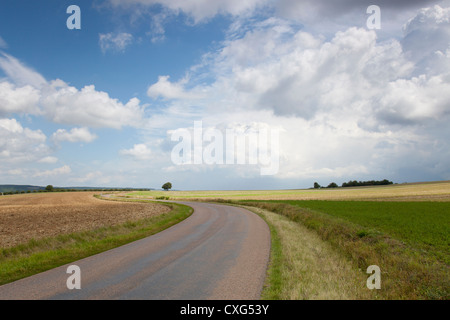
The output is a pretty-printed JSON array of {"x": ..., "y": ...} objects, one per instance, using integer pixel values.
[
  {"x": 407, "y": 270},
  {"x": 44, "y": 254},
  {"x": 304, "y": 267},
  {"x": 273, "y": 286}
]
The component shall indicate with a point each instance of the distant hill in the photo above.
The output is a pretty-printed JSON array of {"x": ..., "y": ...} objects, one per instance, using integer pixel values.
[
  {"x": 16, "y": 187},
  {"x": 26, "y": 188}
]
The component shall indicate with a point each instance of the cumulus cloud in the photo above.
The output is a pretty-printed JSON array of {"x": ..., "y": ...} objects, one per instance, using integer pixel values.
[
  {"x": 427, "y": 39},
  {"x": 168, "y": 90},
  {"x": 416, "y": 100},
  {"x": 367, "y": 102},
  {"x": 138, "y": 152},
  {"x": 74, "y": 135},
  {"x": 434, "y": 17},
  {"x": 327, "y": 16},
  {"x": 88, "y": 107},
  {"x": 14, "y": 99},
  {"x": 294, "y": 73},
  {"x": 19, "y": 144},
  {"x": 61, "y": 103}
]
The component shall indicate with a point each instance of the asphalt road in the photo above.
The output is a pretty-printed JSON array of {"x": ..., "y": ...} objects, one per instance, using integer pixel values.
[{"x": 219, "y": 252}]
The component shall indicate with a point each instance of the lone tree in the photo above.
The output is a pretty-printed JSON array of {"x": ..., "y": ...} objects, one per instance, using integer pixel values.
[
  {"x": 49, "y": 188},
  {"x": 166, "y": 186},
  {"x": 316, "y": 185}
]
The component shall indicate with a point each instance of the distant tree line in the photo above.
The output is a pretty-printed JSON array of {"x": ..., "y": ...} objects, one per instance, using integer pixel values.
[
  {"x": 355, "y": 183},
  {"x": 50, "y": 188}
]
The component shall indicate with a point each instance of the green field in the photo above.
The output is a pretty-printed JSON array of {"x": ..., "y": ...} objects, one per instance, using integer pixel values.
[{"x": 424, "y": 225}]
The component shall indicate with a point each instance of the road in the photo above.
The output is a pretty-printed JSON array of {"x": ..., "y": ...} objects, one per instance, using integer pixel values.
[{"x": 219, "y": 252}]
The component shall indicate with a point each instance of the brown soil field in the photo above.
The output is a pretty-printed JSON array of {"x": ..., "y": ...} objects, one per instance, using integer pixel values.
[{"x": 34, "y": 216}]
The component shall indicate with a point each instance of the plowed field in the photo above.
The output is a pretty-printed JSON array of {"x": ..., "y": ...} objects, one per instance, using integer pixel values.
[{"x": 34, "y": 216}]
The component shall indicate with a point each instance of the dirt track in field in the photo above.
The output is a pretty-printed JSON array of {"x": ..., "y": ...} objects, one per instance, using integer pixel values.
[{"x": 35, "y": 216}]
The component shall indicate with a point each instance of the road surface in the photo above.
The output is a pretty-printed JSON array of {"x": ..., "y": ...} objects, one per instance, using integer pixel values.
[{"x": 219, "y": 252}]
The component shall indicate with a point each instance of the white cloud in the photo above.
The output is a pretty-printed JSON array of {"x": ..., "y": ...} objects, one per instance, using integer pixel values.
[
  {"x": 427, "y": 40},
  {"x": 294, "y": 73},
  {"x": 198, "y": 10},
  {"x": 48, "y": 159},
  {"x": 15, "y": 99},
  {"x": 11, "y": 125},
  {"x": 64, "y": 170},
  {"x": 19, "y": 144},
  {"x": 62, "y": 103},
  {"x": 138, "y": 152},
  {"x": 88, "y": 107},
  {"x": 430, "y": 18},
  {"x": 416, "y": 100},
  {"x": 92, "y": 177},
  {"x": 74, "y": 135},
  {"x": 19, "y": 73},
  {"x": 162, "y": 12},
  {"x": 115, "y": 42},
  {"x": 319, "y": 15},
  {"x": 352, "y": 105},
  {"x": 328, "y": 16},
  {"x": 168, "y": 90}
]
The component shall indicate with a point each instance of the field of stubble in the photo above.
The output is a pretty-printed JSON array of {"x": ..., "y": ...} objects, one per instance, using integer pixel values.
[{"x": 35, "y": 216}]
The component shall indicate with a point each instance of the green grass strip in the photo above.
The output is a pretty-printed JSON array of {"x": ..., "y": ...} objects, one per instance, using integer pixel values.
[{"x": 273, "y": 284}]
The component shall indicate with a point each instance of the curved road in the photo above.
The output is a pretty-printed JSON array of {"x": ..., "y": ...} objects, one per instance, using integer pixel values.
[{"x": 219, "y": 252}]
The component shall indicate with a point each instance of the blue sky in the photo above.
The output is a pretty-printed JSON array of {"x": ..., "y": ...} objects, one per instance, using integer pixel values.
[{"x": 98, "y": 106}]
